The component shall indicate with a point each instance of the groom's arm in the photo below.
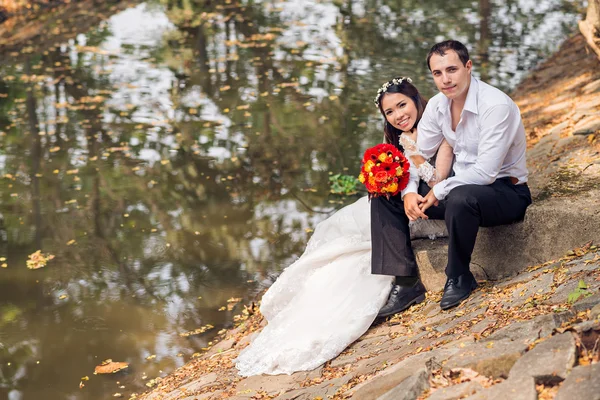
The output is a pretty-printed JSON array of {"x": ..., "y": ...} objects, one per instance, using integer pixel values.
[{"x": 429, "y": 131}]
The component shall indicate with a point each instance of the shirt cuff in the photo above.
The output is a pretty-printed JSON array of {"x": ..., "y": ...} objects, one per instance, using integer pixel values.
[
  {"x": 440, "y": 191},
  {"x": 412, "y": 187}
]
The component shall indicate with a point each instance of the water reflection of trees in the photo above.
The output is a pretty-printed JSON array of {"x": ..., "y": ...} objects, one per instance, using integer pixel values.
[{"x": 242, "y": 148}]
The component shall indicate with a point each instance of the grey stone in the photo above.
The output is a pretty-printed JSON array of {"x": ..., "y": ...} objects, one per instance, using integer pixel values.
[
  {"x": 390, "y": 377},
  {"x": 323, "y": 390},
  {"x": 483, "y": 325},
  {"x": 456, "y": 321},
  {"x": 595, "y": 312},
  {"x": 489, "y": 358},
  {"x": 520, "y": 389},
  {"x": 549, "y": 362},
  {"x": 587, "y": 303},
  {"x": 561, "y": 295},
  {"x": 585, "y": 326},
  {"x": 275, "y": 384},
  {"x": 561, "y": 318},
  {"x": 204, "y": 380},
  {"x": 456, "y": 391},
  {"x": 587, "y": 126},
  {"x": 593, "y": 86},
  {"x": 410, "y": 388},
  {"x": 432, "y": 256},
  {"x": 221, "y": 346},
  {"x": 520, "y": 278},
  {"x": 203, "y": 396},
  {"x": 526, "y": 331},
  {"x": 583, "y": 383},
  {"x": 539, "y": 285},
  {"x": 581, "y": 265}
]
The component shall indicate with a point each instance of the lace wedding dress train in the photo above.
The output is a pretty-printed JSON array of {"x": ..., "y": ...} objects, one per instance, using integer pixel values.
[{"x": 322, "y": 302}]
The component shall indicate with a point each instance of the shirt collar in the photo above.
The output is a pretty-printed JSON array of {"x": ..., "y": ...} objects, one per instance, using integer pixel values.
[{"x": 470, "y": 103}]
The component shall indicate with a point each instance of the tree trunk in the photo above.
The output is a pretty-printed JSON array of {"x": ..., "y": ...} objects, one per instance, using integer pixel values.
[
  {"x": 593, "y": 17},
  {"x": 485, "y": 12}
]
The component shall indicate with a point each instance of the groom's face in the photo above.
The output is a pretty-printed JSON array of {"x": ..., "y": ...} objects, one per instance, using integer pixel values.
[{"x": 450, "y": 75}]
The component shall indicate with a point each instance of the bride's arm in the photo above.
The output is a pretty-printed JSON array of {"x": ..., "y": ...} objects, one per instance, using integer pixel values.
[{"x": 427, "y": 172}]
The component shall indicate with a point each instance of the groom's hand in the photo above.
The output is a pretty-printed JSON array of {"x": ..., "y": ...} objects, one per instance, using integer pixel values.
[
  {"x": 411, "y": 206},
  {"x": 428, "y": 201}
]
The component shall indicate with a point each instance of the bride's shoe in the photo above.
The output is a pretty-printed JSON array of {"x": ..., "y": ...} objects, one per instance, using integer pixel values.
[{"x": 403, "y": 297}]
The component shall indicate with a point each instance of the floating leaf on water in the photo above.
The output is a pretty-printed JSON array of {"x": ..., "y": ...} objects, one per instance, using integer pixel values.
[
  {"x": 197, "y": 331},
  {"x": 38, "y": 260},
  {"x": 110, "y": 367},
  {"x": 153, "y": 356},
  {"x": 70, "y": 242},
  {"x": 62, "y": 297}
]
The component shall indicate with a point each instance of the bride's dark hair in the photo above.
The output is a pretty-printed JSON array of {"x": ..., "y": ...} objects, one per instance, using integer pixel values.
[{"x": 409, "y": 90}]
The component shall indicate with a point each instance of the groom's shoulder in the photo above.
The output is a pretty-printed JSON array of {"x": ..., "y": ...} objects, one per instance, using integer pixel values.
[
  {"x": 489, "y": 96},
  {"x": 434, "y": 102}
]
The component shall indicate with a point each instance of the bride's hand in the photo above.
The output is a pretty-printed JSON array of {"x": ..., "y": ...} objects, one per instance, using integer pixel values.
[{"x": 411, "y": 206}]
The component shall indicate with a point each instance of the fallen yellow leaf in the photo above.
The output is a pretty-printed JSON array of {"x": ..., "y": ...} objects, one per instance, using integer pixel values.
[{"x": 110, "y": 367}]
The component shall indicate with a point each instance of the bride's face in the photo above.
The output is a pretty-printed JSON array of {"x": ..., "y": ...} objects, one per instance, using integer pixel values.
[{"x": 399, "y": 110}]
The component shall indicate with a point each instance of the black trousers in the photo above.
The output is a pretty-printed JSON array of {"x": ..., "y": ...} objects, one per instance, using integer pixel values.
[{"x": 464, "y": 209}]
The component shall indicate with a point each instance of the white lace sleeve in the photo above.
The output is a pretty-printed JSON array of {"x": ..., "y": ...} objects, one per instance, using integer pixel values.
[{"x": 425, "y": 170}]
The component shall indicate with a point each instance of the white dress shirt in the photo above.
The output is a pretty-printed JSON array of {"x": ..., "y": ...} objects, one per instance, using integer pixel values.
[{"x": 489, "y": 141}]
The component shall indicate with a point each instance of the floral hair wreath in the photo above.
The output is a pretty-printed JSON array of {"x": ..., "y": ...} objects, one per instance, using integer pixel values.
[{"x": 384, "y": 88}]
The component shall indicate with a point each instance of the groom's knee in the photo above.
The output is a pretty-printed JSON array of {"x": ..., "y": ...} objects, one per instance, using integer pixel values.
[{"x": 462, "y": 199}]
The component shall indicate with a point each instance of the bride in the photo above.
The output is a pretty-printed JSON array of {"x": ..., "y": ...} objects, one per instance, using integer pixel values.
[{"x": 328, "y": 298}]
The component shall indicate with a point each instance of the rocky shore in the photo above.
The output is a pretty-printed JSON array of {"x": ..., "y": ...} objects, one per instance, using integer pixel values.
[{"x": 535, "y": 335}]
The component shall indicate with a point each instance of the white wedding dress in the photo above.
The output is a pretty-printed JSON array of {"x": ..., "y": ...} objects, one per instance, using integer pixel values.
[{"x": 326, "y": 299}]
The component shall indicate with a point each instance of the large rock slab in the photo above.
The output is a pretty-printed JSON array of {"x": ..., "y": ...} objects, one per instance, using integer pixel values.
[
  {"x": 521, "y": 389},
  {"x": 583, "y": 383},
  {"x": 506, "y": 250},
  {"x": 410, "y": 388},
  {"x": 456, "y": 391},
  {"x": 489, "y": 358},
  {"x": 392, "y": 376},
  {"x": 549, "y": 362}
]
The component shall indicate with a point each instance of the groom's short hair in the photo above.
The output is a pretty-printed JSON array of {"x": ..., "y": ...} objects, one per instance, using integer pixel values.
[{"x": 454, "y": 45}]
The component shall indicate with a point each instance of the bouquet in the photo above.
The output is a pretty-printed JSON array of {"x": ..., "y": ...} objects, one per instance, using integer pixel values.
[{"x": 384, "y": 170}]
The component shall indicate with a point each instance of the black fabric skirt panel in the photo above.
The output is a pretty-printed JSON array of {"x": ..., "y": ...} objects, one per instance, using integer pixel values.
[{"x": 392, "y": 253}]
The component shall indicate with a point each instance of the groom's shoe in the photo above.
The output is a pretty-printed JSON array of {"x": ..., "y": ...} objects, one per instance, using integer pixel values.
[
  {"x": 403, "y": 297},
  {"x": 457, "y": 289}
]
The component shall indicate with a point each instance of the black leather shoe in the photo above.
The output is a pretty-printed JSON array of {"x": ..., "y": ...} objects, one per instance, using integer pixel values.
[
  {"x": 403, "y": 297},
  {"x": 457, "y": 289}
]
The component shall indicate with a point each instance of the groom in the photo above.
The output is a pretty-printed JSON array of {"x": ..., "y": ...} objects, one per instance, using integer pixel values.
[{"x": 489, "y": 186}]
